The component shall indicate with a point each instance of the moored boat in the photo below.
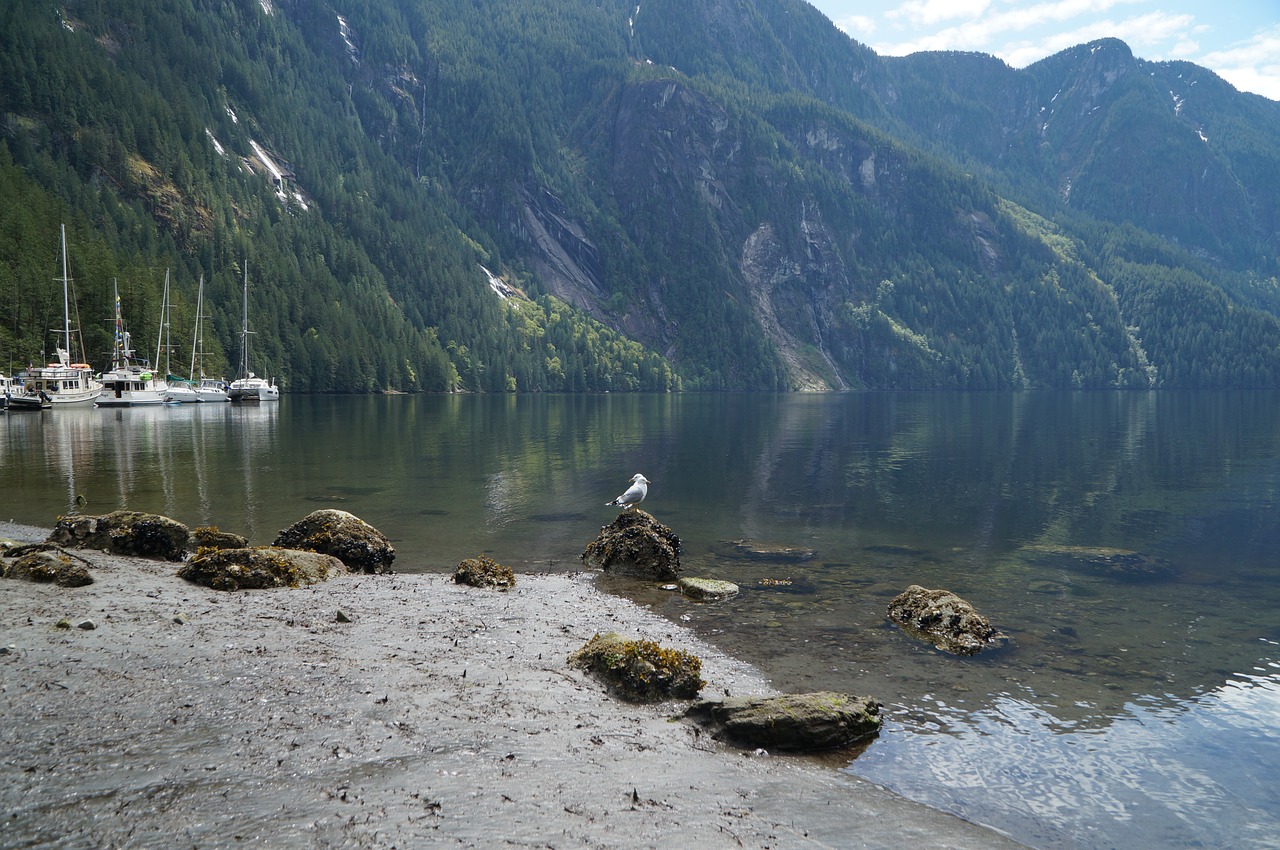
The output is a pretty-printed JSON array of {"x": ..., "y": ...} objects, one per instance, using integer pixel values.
[
  {"x": 248, "y": 387},
  {"x": 64, "y": 383},
  {"x": 205, "y": 389},
  {"x": 129, "y": 382}
]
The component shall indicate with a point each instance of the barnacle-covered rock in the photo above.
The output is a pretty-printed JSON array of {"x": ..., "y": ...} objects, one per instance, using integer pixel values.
[
  {"x": 345, "y": 536},
  {"x": 261, "y": 567},
  {"x": 212, "y": 537},
  {"x": 133, "y": 533},
  {"x": 640, "y": 670},
  {"x": 807, "y": 723},
  {"x": 484, "y": 572},
  {"x": 944, "y": 620},
  {"x": 45, "y": 563},
  {"x": 635, "y": 544}
]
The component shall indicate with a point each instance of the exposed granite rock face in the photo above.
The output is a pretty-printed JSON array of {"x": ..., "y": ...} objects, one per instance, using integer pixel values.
[
  {"x": 345, "y": 536},
  {"x": 635, "y": 544},
  {"x": 807, "y": 723},
  {"x": 124, "y": 533},
  {"x": 484, "y": 572},
  {"x": 45, "y": 563},
  {"x": 944, "y": 620},
  {"x": 267, "y": 566},
  {"x": 640, "y": 670}
]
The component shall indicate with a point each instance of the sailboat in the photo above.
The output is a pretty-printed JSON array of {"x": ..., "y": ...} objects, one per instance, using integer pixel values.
[
  {"x": 207, "y": 389},
  {"x": 61, "y": 384},
  {"x": 129, "y": 382},
  {"x": 248, "y": 386}
]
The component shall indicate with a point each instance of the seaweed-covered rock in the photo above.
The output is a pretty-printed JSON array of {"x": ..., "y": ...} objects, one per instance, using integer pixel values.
[
  {"x": 944, "y": 620},
  {"x": 807, "y": 723},
  {"x": 1122, "y": 564},
  {"x": 635, "y": 544},
  {"x": 345, "y": 536},
  {"x": 132, "y": 533},
  {"x": 212, "y": 537},
  {"x": 640, "y": 670},
  {"x": 261, "y": 567},
  {"x": 707, "y": 589},
  {"x": 484, "y": 572},
  {"x": 45, "y": 563}
]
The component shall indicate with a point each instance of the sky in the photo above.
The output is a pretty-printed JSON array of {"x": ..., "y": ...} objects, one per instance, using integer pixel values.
[{"x": 1239, "y": 40}]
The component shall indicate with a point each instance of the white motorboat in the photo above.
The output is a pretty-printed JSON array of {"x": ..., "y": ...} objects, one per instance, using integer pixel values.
[{"x": 129, "y": 382}]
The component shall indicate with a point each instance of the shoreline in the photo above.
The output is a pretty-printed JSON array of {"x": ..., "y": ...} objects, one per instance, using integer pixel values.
[{"x": 438, "y": 713}]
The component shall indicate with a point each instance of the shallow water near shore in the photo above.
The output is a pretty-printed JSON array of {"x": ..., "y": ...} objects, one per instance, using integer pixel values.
[{"x": 1135, "y": 708}]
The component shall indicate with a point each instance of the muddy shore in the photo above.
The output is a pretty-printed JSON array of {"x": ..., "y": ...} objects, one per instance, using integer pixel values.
[{"x": 439, "y": 714}]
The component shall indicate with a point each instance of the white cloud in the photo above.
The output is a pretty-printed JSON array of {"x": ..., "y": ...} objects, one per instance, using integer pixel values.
[
  {"x": 930, "y": 12},
  {"x": 1252, "y": 65},
  {"x": 859, "y": 26}
]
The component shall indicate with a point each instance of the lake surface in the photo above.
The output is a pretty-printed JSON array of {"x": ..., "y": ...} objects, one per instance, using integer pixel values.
[{"x": 1134, "y": 710}]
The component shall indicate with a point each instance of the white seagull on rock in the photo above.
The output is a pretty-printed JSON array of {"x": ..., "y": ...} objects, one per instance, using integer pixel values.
[{"x": 635, "y": 493}]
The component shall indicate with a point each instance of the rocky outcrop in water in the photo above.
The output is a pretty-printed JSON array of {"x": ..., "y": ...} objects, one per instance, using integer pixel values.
[
  {"x": 124, "y": 533},
  {"x": 1122, "y": 564},
  {"x": 345, "y": 536},
  {"x": 944, "y": 620},
  {"x": 707, "y": 589},
  {"x": 263, "y": 567},
  {"x": 811, "y": 722},
  {"x": 640, "y": 670},
  {"x": 635, "y": 544}
]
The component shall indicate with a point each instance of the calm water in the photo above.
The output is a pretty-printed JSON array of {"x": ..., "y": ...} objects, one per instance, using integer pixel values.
[{"x": 1134, "y": 713}]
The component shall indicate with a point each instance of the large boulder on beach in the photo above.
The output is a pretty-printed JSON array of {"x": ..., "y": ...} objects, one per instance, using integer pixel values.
[
  {"x": 260, "y": 567},
  {"x": 944, "y": 620},
  {"x": 44, "y": 563},
  {"x": 797, "y": 723},
  {"x": 345, "y": 536},
  {"x": 640, "y": 670},
  {"x": 130, "y": 533},
  {"x": 212, "y": 537},
  {"x": 635, "y": 544}
]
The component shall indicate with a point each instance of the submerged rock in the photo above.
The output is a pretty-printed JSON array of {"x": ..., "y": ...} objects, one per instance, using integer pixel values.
[
  {"x": 640, "y": 670},
  {"x": 484, "y": 572},
  {"x": 707, "y": 589},
  {"x": 45, "y": 563},
  {"x": 755, "y": 550},
  {"x": 944, "y": 620},
  {"x": 1101, "y": 560},
  {"x": 635, "y": 544},
  {"x": 808, "y": 723},
  {"x": 345, "y": 536},
  {"x": 133, "y": 533},
  {"x": 267, "y": 566}
]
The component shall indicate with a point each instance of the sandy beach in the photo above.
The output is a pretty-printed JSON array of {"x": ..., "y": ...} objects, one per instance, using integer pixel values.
[{"x": 439, "y": 714}]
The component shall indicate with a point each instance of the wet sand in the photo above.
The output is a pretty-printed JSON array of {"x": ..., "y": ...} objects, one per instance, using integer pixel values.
[{"x": 439, "y": 714}]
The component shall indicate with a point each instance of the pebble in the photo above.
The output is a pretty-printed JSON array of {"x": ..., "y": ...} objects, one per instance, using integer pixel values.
[
  {"x": 87, "y": 625},
  {"x": 181, "y": 618},
  {"x": 343, "y": 616}
]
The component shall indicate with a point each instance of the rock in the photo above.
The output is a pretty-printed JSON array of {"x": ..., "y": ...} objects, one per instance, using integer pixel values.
[
  {"x": 345, "y": 536},
  {"x": 1100, "y": 560},
  {"x": 212, "y": 537},
  {"x": 635, "y": 544},
  {"x": 944, "y": 620},
  {"x": 754, "y": 550},
  {"x": 46, "y": 564},
  {"x": 86, "y": 625},
  {"x": 804, "y": 723},
  {"x": 707, "y": 589},
  {"x": 640, "y": 670},
  {"x": 342, "y": 617},
  {"x": 484, "y": 572},
  {"x": 124, "y": 533},
  {"x": 64, "y": 623},
  {"x": 181, "y": 618},
  {"x": 266, "y": 566}
]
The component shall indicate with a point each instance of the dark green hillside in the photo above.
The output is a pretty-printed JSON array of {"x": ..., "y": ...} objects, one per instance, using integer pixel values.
[{"x": 571, "y": 196}]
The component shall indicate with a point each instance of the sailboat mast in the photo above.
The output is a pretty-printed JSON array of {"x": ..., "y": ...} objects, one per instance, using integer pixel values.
[
  {"x": 66, "y": 298},
  {"x": 162, "y": 341},
  {"x": 195, "y": 341}
]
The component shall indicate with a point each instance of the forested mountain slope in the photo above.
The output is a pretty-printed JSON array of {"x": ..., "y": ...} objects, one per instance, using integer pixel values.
[{"x": 578, "y": 195}]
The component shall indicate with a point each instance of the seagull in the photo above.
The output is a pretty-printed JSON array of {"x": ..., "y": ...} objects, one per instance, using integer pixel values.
[{"x": 635, "y": 493}]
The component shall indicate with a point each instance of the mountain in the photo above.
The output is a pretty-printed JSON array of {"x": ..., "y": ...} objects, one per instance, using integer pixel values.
[{"x": 573, "y": 195}]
